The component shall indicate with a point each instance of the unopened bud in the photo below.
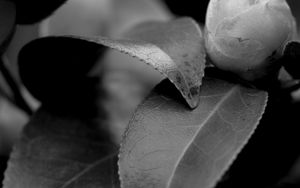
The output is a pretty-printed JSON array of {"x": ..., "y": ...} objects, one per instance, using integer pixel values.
[{"x": 247, "y": 36}]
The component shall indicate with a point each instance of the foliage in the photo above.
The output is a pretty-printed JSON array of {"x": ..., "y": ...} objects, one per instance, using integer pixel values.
[{"x": 199, "y": 127}]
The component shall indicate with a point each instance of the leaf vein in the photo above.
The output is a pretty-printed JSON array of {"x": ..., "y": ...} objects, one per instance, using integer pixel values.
[{"x": 87, "y": 169}]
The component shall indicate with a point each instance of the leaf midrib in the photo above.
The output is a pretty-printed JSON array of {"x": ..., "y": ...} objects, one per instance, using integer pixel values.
[{"x": 225, "y": 97}]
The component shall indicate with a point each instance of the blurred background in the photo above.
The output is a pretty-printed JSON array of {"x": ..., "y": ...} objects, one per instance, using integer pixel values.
[{"x": 126, "y": 80}]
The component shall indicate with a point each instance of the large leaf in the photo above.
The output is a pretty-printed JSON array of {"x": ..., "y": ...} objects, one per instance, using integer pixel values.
[
  {"x": 7, "y": 20},
  {"x": 174, "y": 48},
  {"x": 272, "y": 145},
  {"x": 55, "y": 70},
  {"x": 67, "y": 142},
  {"x": 62, "y": 151},
  {"x": 169, "y": 145}
]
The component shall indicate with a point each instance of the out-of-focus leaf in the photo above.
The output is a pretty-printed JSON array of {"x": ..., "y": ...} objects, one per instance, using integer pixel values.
[
  {"x": 4, "y": 87},
  {"x": 32, "y": 11},
  {"x": 7, "y": 20},
  {"x": 125, "y": 91},
  {"x": 67, "y": 142},
  {"x": 23, "y": 34},
  {"x": 92, "y": 18},
  {"x": 128, "y": 13},
  {"x": 173, "y": 48},
  {"x": 12, "y": 121},
  {"x": 293, "y": 176},
  {"x": 101, "y": 17},
  {"x": 126, "y": 80},
  {"x": 169, "y": 145},
  {"x": 62, "y": 151}
]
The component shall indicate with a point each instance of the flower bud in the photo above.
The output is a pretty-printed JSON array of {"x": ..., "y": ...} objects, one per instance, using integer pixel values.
[{"x": 247, "y": 36}]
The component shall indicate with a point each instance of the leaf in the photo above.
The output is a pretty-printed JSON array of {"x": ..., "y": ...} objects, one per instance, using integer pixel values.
[
  {"x": 175, "y": 48},
  {"x": 67, "y": 143},
  {"x": 128, "y": 13},
  {"x": 126, "y": 89},
  {"x": 62, "y": 151},
  {"x": 273, "y": 144},
  {"x": 55, "y": 69},
  {"x": 101, "y": 17},
  {"x": 126, "y": 80},
  {"x": 12, "y": 121},
  {"x": 7, "y": 20},
  {"x": 23, "y": 34},
  {"x": 91, "y": 18},
  {"x": 168, "y": 145}
]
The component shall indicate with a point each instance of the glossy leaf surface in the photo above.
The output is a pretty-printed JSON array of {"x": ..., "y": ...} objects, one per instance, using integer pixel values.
[
  {"x": 175, "y": 49},
  {"x": 169, "y": 145}
]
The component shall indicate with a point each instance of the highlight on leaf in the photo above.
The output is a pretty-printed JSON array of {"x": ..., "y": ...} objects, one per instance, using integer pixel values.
[
  {"x": 167, "y": 145},
  {"x": 175, "y": 48}
]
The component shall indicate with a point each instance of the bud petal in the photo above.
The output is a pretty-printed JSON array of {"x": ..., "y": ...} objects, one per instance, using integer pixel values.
[{"x": 243, "y": 34}]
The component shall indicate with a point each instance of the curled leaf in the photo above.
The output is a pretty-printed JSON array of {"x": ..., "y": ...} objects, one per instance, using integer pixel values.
[
  {"x": 167, "y": 145},
  {"x": 173, "y": 48},
  {"x": 54, "y": 69}
]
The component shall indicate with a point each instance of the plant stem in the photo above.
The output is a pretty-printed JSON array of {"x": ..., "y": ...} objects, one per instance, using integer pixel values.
[{"x": 18, "y": 98}]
